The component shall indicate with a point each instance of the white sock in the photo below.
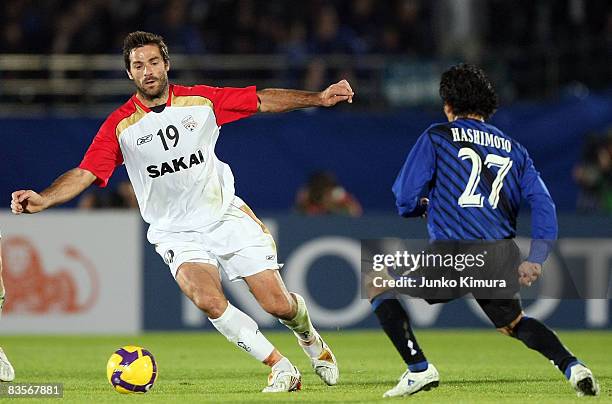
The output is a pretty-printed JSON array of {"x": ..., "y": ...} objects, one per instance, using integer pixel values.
[
  {"x": 283, "y": 364},
  {"x": 242, "y": 330},
  {"x": 303, "y": 329},
  {"x": 313, "y": 350}
]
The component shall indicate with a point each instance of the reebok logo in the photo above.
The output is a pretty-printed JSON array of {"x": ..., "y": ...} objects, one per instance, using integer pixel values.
[
  {"x": 243, "y": 346},
  {"x": 144, "y": 139}
]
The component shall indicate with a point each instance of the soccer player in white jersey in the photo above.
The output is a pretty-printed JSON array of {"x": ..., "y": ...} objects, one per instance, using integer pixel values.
[
  {"x": 165, "y": 135},
  {"x": 7, "y": 373}
]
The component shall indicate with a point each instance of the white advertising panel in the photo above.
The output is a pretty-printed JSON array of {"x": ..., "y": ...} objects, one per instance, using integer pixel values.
[{"x": 67, "y": 271}]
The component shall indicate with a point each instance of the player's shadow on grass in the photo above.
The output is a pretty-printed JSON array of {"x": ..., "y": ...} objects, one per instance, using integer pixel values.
[
  {"x": 460, "y": 382},
  {"x": 446, "y": 382},
  {"x": 383, "y": 383}
]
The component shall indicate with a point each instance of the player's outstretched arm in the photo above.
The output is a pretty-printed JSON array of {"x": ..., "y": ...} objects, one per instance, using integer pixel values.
[
  {"x": 282, "y": 100},
  {"x": 63, "y": 189}
]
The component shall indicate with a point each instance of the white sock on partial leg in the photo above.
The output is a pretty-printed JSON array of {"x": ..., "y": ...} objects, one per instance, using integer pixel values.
[
  {"x": 242, "y": 330},
  {"x": 314, "y": 349},
  {"x": 304, "y": 331}
]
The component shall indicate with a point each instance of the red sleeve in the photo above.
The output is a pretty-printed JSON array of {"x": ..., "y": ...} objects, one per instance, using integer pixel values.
[
  {"x": 104, "y": 153},
  {"x": 231, "y": 104}
]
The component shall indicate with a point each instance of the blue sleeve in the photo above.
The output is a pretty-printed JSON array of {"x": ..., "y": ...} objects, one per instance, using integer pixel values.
[
  {"x": 543, "y": 215},
  {"x": 417, "y": 172}
]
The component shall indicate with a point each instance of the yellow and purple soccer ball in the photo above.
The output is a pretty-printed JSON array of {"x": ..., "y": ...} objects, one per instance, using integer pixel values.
[{"x": 131, "y": 369}]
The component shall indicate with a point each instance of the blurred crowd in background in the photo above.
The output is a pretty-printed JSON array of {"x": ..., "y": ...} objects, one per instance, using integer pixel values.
[
  {"x": 414, "y": 27},
  {"x": 531, "y": 49},
  {"x": 593, "y": 174},
  {"x": 492, "y": 32},
  {"x": 324, "y": 195}
]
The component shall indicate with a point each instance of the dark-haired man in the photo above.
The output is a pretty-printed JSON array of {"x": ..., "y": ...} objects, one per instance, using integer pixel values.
[
  {"x": 166, "y": 135},
  {"x": 468, "y": 177}
]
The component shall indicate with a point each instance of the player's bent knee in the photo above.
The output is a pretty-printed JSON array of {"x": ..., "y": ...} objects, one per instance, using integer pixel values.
[
  {"x": 280, "y": 307},
  {"x": 509, "y": 329},
  {"x": 505, "y": 330},
  {"x": 213, "y": 306}
]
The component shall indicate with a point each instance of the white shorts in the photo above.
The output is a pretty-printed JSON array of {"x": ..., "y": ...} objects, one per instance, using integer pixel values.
[{"x": 239, "y": 243}]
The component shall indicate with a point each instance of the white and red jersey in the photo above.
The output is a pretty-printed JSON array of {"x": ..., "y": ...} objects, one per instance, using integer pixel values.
[{"x": 170, "y": 155}]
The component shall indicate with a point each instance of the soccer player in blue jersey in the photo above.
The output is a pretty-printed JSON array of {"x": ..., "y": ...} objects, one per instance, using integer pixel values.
[{"x": 468, "y": 178}]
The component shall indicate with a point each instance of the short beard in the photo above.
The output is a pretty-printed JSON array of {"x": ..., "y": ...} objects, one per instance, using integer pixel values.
[{"x": 151, "y": 97}]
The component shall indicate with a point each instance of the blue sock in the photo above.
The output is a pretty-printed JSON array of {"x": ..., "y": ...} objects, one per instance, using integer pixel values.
[
  {"x": 418, "y": 367},
  {"x": 568, "y": 369}
]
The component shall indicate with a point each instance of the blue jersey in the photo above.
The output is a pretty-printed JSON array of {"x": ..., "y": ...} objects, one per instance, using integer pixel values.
[{"x": 475, "y": 177}]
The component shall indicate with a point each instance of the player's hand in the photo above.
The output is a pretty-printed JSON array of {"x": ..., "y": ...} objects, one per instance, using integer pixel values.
[
  {"x": 341, "y": 91},
  {"x": 529, "y": 272},
  {"x": 26, "y": 202}
]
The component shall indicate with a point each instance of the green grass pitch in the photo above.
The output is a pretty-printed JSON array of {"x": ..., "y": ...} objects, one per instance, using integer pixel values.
[{"x": 475, "y": 366}]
